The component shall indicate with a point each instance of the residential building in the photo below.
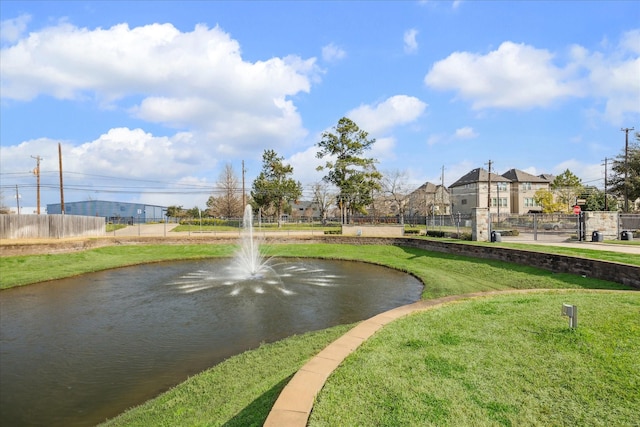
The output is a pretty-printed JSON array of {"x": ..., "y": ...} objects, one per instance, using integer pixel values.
[
  {"x": 523, "y": 189},
  {"x": 480, "y": 189},
  {"x": 429, "y": 199}
]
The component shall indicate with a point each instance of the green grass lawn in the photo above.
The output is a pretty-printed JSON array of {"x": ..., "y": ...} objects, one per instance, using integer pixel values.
[
  {"x": 422, "y": 359},
  {"x": 499, "y": 361}
]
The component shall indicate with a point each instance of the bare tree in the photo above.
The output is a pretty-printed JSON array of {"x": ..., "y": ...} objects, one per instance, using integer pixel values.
[
  {"x": 395, "y": 189},
  {"x": 227, "y": 201},
  {"x": 4, "y": 209},
  {"x": 323, "y": 198}
]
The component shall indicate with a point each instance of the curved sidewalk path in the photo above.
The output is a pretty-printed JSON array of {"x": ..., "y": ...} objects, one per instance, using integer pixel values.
[{"x": 294, "y": 405}]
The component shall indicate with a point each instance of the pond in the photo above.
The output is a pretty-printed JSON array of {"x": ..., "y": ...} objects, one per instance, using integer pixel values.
[{"x": 77, "y": 351}]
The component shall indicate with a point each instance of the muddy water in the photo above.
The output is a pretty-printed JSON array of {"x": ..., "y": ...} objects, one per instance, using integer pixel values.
[{"x": 74, "y": 352}]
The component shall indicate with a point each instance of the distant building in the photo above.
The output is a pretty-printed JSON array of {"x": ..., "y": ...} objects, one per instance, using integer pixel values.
[
  {"x": 480, "y": 189},
  {"x": 523, "y": 189},
  {"x": 304, "y": 210},
  {"x": 428, "y": 199},
  {"x": 112, "y": 211}
]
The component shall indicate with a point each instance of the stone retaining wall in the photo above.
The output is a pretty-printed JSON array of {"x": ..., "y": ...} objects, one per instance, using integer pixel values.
[{"x": 615, "y": 272}]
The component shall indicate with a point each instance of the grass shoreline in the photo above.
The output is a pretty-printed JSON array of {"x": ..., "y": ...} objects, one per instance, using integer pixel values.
[{"x": 197, "y": 401}]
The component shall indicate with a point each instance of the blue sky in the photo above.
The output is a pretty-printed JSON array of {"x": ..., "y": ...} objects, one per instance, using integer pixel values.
[{"x": 150, "y": 100}]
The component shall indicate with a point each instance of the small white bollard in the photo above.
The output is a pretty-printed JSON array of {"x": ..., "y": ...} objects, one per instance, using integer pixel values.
[{"x": 572, "y": 312}]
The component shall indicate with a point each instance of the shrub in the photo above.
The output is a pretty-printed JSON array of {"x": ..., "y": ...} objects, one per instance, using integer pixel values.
[{"x": 333, "y": 232}]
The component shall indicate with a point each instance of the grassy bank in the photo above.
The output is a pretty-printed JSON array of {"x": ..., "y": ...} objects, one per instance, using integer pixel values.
[
  {"x": 500, "y": 361},
  {"x": 444, "y": 274}
]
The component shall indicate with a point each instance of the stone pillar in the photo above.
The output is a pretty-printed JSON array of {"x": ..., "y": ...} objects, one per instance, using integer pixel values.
[
  {"x": 604, "y": 222},
  {"x": 480, "y": 224}
]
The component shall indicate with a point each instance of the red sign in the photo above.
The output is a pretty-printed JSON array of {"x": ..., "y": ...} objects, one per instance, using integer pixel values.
[{"x": 576, "y": 209}]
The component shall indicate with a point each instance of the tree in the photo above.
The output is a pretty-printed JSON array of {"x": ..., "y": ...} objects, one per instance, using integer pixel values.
[
  {"x": 323, "y": 198},
  {"x": 567, "y": 186},
  {"x": 595, "y": 201},
  {"x": 4, "y": 209},
  {"x": 273, "y": 187},
  {"x": 194, "y": 212},
  {"x": 354, "y": 175},
  {"x": 629, "y": 187},
  {"x": 228, "y": 203},
  {"x": 175, "y": 212},
  {"x": 394, "y": 187},
  {"x": 546, "y": 199}
]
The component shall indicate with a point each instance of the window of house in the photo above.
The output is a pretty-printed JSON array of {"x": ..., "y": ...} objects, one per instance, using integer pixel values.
[
  {"x": 463, "y": 201},
  {"x": 530, "y": 202},
  {"x": 526, "y": 186},
  {"x": 502, "y": 186},
  {"x": 501, "y": 202}
]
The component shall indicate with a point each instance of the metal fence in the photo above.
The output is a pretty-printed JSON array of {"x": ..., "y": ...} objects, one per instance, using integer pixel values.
[
  {"x": 50, "y": 226},
  {"x": 629, "y": 222},
  {"x": 549, "y": 227}
]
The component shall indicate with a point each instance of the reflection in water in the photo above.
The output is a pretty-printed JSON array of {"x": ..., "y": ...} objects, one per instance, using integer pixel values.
[{"x": 79, "y": 350}]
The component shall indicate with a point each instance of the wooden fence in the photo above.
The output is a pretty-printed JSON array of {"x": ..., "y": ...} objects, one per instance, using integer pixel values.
[{"x": 50, "y": 226}]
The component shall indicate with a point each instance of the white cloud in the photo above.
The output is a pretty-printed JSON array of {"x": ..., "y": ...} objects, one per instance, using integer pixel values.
[
  {"x": 12, "y": 29},
  {"x": 304, "y": 166},
  {"x": 196, "y": 80},
  {"x": 519, "y": 76},
  {"x": 513, "y": 76},
  {"x": 410, "y": 43},
  {"x": 332, "y": 53},
  {"x": 465, "y": 133},
  {"x": 394, "y": 111},
  {"x": 613, "y": 76},
  {"x": 118, "y": 160}
]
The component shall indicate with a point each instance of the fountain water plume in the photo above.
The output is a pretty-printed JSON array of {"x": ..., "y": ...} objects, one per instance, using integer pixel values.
[
  {"x": 251, "y": 271},
  {"x": 249, "y": 259}
]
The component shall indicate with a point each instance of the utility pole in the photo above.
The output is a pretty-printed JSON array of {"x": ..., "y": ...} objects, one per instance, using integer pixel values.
[
  {"x": 606, "y": 202},
  {"x": 626, "y": 167},
  {"x": 244, "y": 197},
  {"x": 17, "y": 199},
  {"x": 36, "y": 172},
  {"x": 61, "y": 185},
  {"x": 489, "y": 187},
  {"x": 442, "y": 197}
]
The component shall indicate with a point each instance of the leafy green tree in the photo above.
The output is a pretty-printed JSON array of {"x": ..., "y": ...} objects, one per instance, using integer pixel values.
[
  {"x": 595, "y": 201},
  {"x": 567, "y": 186},
  {"x": 273, "y": 188},
  {"x": 354, "y": 175},
  {"x": 194, "y": 212},
  {"x": 631, "y": 186},
  {"x": 175, "y": 212},
  {"x": 546, "y": 199}
]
